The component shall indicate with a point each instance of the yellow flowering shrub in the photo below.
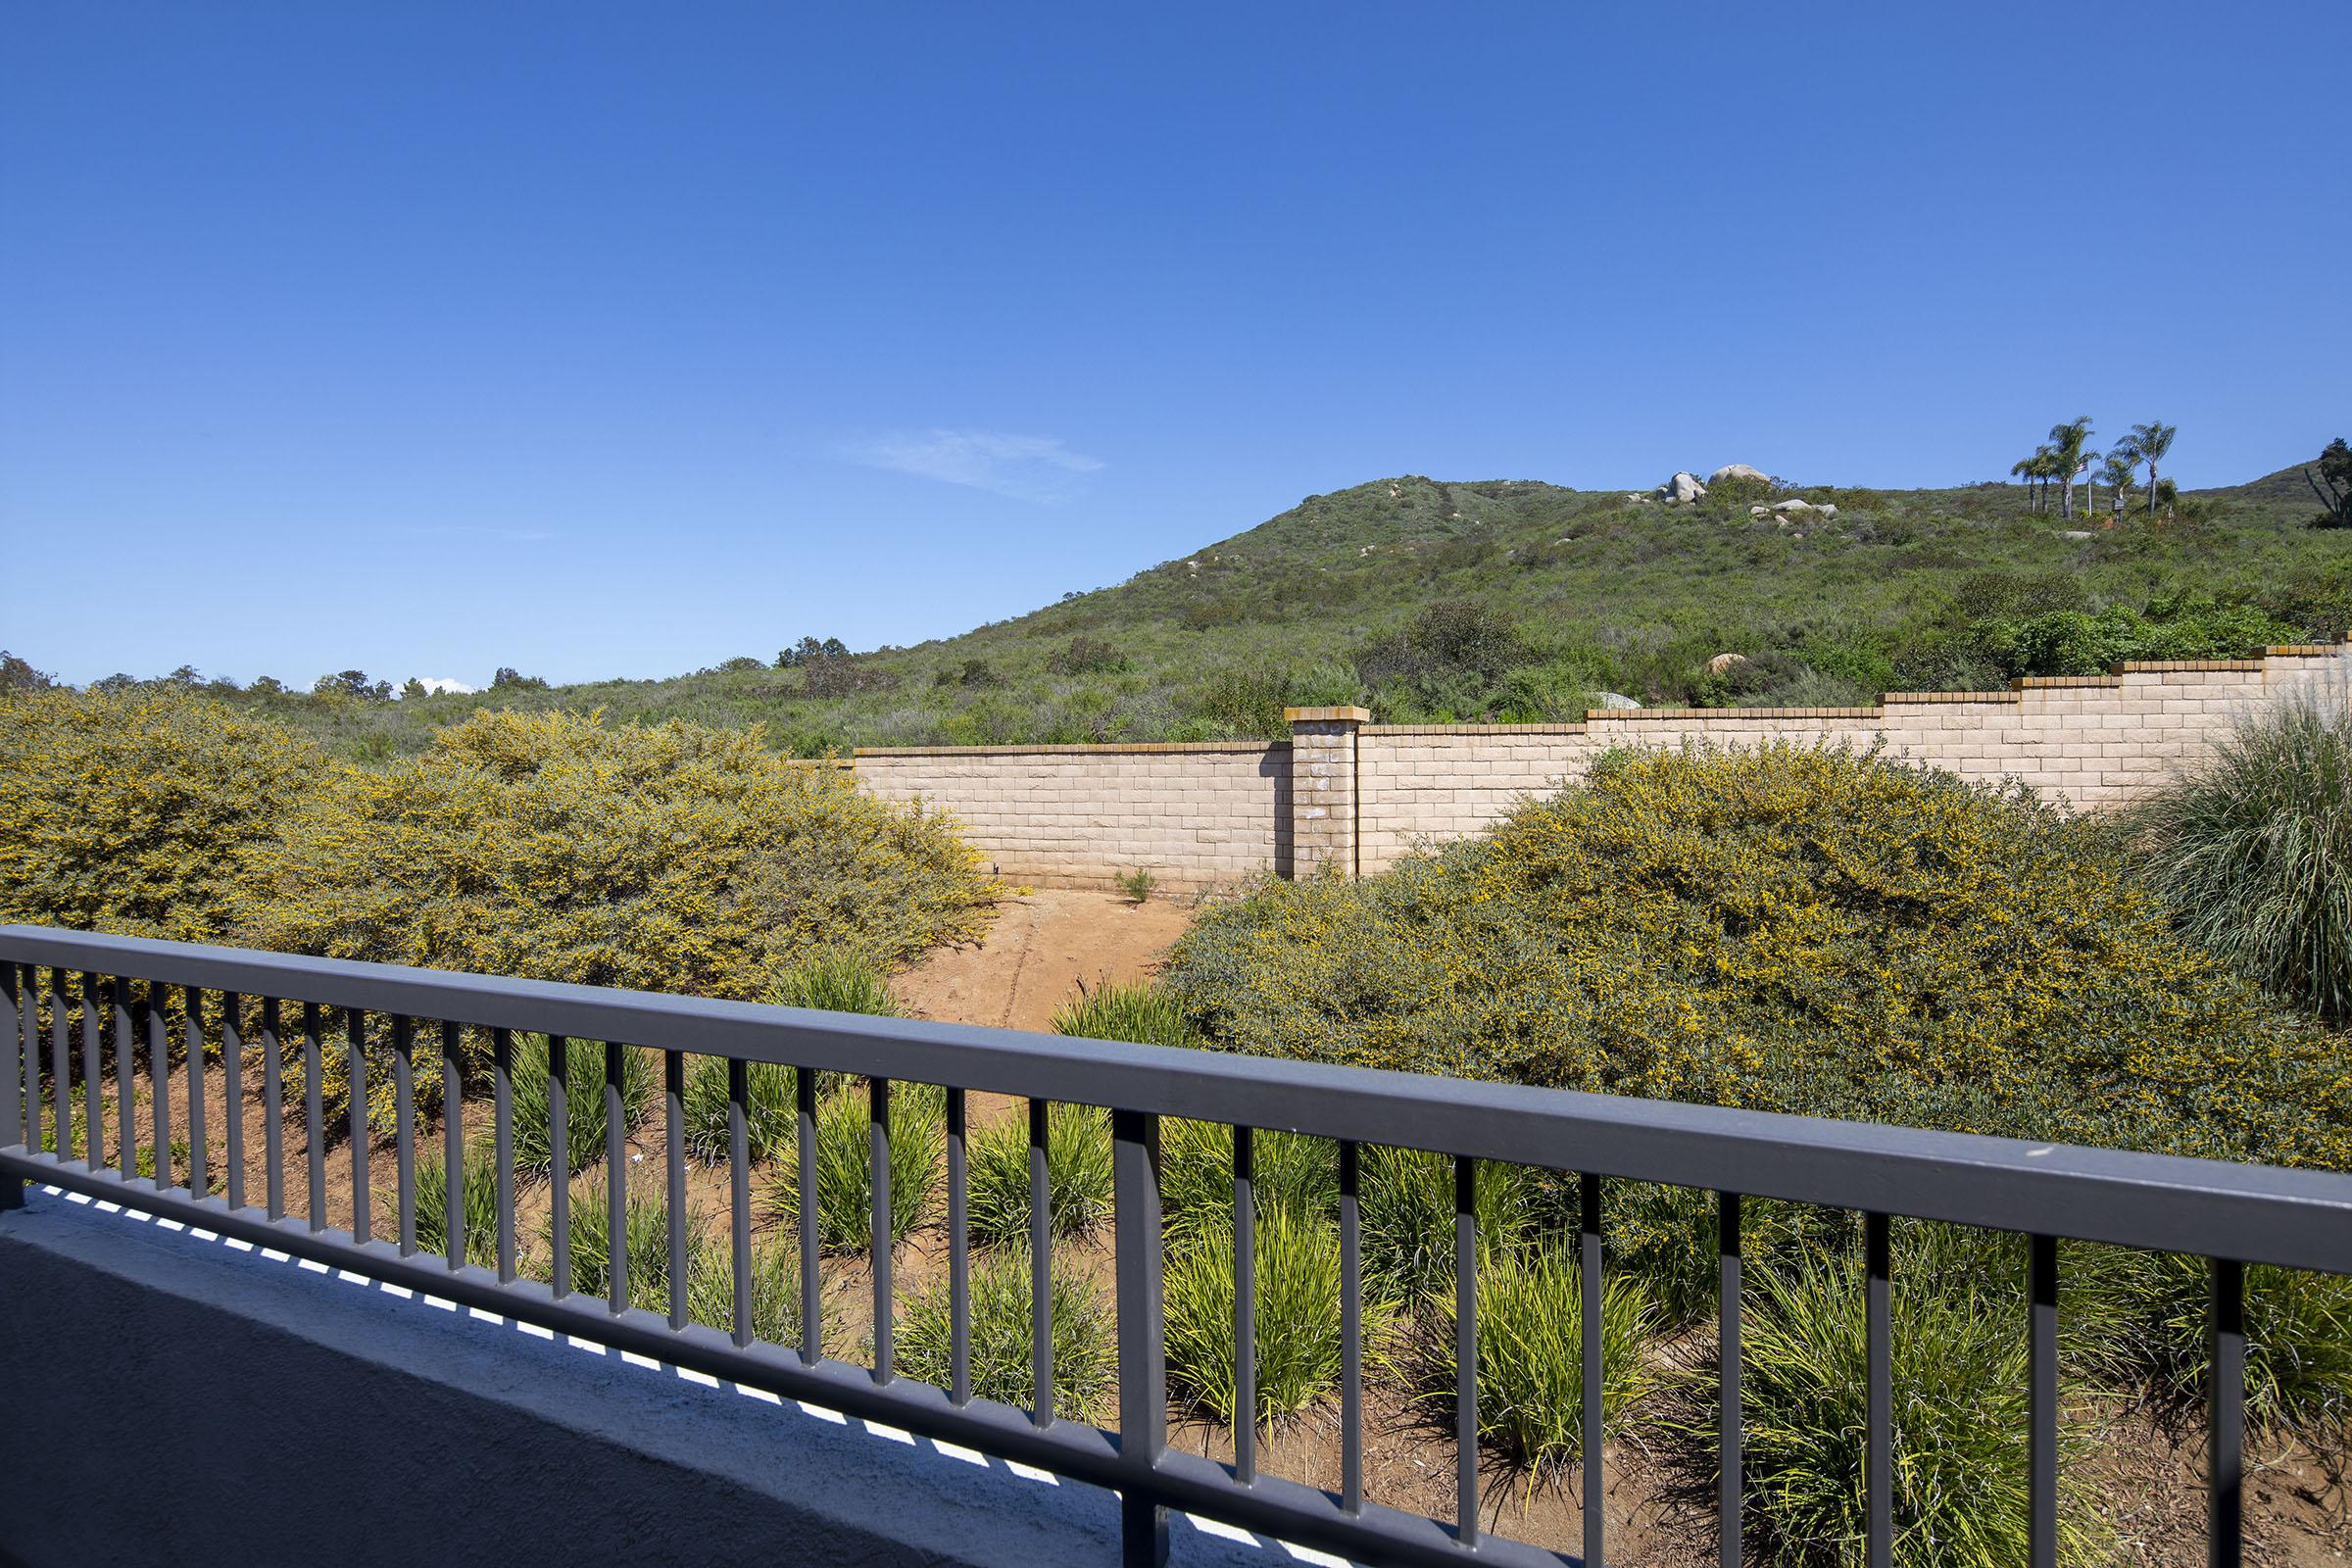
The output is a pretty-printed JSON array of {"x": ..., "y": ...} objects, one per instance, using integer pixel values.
[
  {"x": 672, "y": 858},
  {"x": 140, "y": 812},
  {"x": 1801, "y": 930}
]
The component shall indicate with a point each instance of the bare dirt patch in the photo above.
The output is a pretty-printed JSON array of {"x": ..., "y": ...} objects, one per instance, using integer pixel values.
[{"x": 1042, "y": 946}]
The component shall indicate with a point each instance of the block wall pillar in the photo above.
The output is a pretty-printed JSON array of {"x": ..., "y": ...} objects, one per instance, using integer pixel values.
[{"x": 1323, "y": 789}]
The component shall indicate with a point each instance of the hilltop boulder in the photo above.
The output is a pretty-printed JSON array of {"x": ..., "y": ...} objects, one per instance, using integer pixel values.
[
  {"x": 1683, "y": 487},
  {"x": 1739, "y": 470}
]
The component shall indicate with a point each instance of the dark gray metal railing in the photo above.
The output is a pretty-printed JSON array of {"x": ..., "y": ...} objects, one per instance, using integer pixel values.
[{"x": 2231, "y": 1214}]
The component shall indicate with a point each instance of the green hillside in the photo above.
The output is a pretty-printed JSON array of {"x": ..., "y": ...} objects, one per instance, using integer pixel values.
[{"x": 1519, "y": 600}]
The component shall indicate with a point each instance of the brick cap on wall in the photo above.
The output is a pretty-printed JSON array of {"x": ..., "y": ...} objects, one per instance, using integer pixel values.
[{"x": 1345, "y": 715}]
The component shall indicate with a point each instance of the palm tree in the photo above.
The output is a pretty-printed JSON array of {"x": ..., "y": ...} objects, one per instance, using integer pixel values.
[
  {"x": 2151, "y": 442},
  {"x": 2090, "y": 484},
  {"x": 2027, "y": 469},
  {"x": 2119, "y": 470},
  {"x": 2067, "y": 442}
]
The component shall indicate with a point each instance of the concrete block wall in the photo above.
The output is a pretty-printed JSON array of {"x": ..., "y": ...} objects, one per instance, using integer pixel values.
[
  {"x": 1196, "y": 815},
  {"x": 1355, "y": 796}
]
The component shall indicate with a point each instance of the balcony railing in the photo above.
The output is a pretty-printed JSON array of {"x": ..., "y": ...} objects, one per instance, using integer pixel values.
[{"x": 139, "y": 994}]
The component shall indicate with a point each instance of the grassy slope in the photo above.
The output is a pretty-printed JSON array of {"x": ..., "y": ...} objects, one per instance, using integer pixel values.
[{"x": 1607, "y": 594}]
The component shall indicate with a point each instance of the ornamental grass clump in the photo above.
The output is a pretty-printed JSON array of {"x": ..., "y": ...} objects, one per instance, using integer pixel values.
[
  {"x": 1297, "y": 1341},
  {"x": 1813, "y": 931},
  {"x": 1085, "y": 1339},
  {"x": 2298, "y": 1345},
  {"x": 1405, "y": 1215},
  {"x": 477, "y": 1201},
  {"x": 1136, "y": 1014},
  {"x": 644, "y": 1243},
  {"x": 771, "y": 1111},
  {"x": 835, "y": 981},
  {"x": 533, "y": 1105},
  {"x": 1078, "y": 1175},
  {"x": 1531, "y": 1391},
  {"x": 845, "y": 1188},
  {"x": 1961, "y": 1389},
  {"x": 1296, "y": 1174},
  {"x": 2251, "y": 848}
]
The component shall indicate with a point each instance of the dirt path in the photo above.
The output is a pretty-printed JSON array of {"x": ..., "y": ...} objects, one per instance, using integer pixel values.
[{"x": 1043, "y": 944}]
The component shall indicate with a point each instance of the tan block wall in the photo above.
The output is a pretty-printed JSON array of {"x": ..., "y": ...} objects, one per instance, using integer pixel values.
[
  {"x": 1196, "y": 816},
  {"x": 1357, "y": 796}
]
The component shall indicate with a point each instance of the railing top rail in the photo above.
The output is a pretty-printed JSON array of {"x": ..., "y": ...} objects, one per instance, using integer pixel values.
[{"x": 2252, "y": 1213}]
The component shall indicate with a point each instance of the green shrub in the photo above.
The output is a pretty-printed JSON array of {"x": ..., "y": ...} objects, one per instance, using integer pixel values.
[
  {"x": 140, "y": 812},
  {"x": 533, "y": 1107},
  {"x": 1078, "y": 1176},
  {"x": 1297, "y": 1268},
  {"x": 2252, "y": 848},
  {"x": 1135, "y": 1013},
  {"x": 845, "y": 1188},
  {"x": 1961, "y": 1390},
  {"x": 1531, "y": 1393},
  {"x": 1805, "y": 931},
  {"x": 2071, "y": 641},
  {"x": 555, "y": 847},
  {"x": 1296, "y": 1174},
  {"x": 770, "y": 1112},
  {"x": 1085, "y": 1339},
  {"x": 835, "y": 981}
]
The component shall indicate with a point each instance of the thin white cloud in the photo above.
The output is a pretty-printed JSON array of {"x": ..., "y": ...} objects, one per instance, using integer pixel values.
[
  {"x": 436, "y": 683},
  {"x": 1026, "y": 468}
]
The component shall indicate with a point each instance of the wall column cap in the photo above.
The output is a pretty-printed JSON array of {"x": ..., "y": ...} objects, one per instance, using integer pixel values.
[{"x": 1348, "y": 713}]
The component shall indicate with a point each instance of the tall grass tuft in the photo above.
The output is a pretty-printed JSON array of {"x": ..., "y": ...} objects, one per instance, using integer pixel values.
[
  {"x": 1405, "y": 1215},
  {"x": 2252, "y": 846},
  {"x": 1961, "y": 1392},
  {"x": 643, "y": 1242},
  {"x": 1290, "y": 1172},
  {"x": 1139, "y": 1014},
  {"x": 2298, "y": 1345},
  {"x": 584, "y": 1086},
  {"x": 1298, "y": 1259},
  {"x": 1085, "y": 1344},
  {"x": 1531, "y": 1391},
  {"x": 769, "y": 1110},
  {"x": 479, "y": 1202},
  {"x": 1078, "y": 1176},
  {"x": 835, "y": 982},
  {"x": 844, "y": 1169},
  {"x": 775, "y": 1294}
]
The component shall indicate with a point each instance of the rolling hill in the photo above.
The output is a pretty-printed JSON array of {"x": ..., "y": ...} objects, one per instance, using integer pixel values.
[{"x": 1519, "y": 600}]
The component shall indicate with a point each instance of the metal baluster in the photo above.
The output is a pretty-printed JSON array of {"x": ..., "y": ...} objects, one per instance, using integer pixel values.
[
  {"x": 1040, "y": 1266},
  {"x": 93, "y": 1111},
  {"x": 959, "y": 1261},
  {"x": 803, "y": 1085},
  {"x": 616, "y": 1184},
  {"x": 2226, "y": 1415},
  {"x": 454, "y": 1243},
  {"x": 356, "y": 1030},
  {"x": 232, "y": 1068},
  {"x": 11, "y": 1093},
  {"x": 1588, "y": 1263},
  {"x": 558, "y": 1136},
  {"x": 2043, "y": 1417},
  {"x": 30, "y": 1057},
  {"x": 273, "y": 1103},
  {"x": 159, "y": 1080},
  {"x": 502, "y": 1133},
  {"x": 1143, "y": 1348},
  {"x": 127, "y": 1046},
  {"x": 878, "y": 1181},
  {"x": 200, "y": 1155},
  {"x": 1352, "y": 1346},
  {"x": 1465, "y": 1348},
  {"x": 403, "y": 1137},
  {"x": 1877, "y": 1464},
  {"x": 739, "y": 1194},
  {"x": 674, "y": 1153},
  {"x": 61, "y": 1063},
  {"x": 1729, "y": 1439},
  {"x": 1245, "y": 1306},
  {"x": 314, "y": 1115}
]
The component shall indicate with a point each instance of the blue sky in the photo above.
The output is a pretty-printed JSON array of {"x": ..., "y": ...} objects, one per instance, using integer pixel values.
[{"x": 427, "y": 338}]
